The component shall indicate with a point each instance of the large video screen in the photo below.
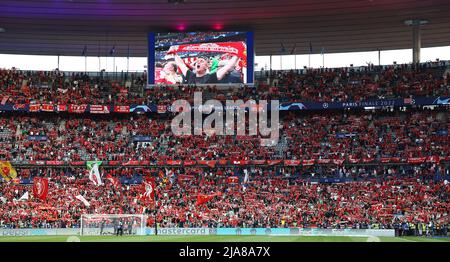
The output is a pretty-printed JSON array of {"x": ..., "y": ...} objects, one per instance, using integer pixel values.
[{"x": 200, "y": 58}]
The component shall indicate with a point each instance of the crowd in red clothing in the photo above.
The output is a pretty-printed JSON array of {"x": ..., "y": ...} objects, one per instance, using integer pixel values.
[
  {"x": 321, "y": 85},
  {"x": 326, "y": 135},
  {"x": 376, "y": 197}
]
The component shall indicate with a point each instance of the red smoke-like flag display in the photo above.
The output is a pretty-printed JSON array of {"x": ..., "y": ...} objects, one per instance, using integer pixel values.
[
  {"x": 114, "y": 180},
  {"x": 233, "y": 48},
  {"x": 202, "y": 198},
  {"x": 40, "y": 188}
]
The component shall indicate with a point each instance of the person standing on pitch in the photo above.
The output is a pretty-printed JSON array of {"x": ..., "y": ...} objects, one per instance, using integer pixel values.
[{"x": 120, "y": 229}]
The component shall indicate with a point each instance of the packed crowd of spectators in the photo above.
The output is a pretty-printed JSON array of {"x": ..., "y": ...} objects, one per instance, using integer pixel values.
[
  {"x": 400, "y": 197},
  {"x": 413, "y": 199},
  {"x": 56, "y": 87},
  {"x": 321, "y": 85}
]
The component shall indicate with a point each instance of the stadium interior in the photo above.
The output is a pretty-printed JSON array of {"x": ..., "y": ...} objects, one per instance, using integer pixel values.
[{"x": 359, "y": 148}]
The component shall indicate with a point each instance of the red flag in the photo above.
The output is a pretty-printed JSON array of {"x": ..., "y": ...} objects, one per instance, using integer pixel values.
[
  {"x": 114, "y": 180},
  {"x": 233, "y": 180},
  {"x": 40, "y": 188},
  {"x": 233, "y": 48},
  {"x": 211, "y": 163},
  {"x": 202, "y": 199},
  {"x": 62, "y": 108},
  {"x": 99, "y": 109}
]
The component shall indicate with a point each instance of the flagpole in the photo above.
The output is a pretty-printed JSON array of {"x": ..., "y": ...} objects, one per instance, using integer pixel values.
[
  {"x": 156, "y": 210},
  {"x": 309, "y": 61},
  {"x": 128, "y": 60},
  {"x": 295, "y": 62},
  {"x": 323, "y": 60},
  {"x": 85, "y": 64}
]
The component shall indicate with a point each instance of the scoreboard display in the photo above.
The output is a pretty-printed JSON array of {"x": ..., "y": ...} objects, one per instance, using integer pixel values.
[{"x": 200, "y": 58}]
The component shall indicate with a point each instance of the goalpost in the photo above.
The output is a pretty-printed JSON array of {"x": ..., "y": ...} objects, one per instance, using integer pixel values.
[{"x": 107, "y": 224}]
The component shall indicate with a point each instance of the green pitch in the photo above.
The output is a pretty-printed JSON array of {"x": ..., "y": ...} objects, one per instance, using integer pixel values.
[{"x": 217, "y": 239}]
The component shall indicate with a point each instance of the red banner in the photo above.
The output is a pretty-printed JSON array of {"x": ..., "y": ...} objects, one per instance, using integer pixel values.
[
  {"x": 233, "y": 180},
  {"x": 308, "y": 162},
  {"x": 395, "y": 159},
  {"x": 34, "y": 108},
  {"x": 40, "y": 188},
  {"x": 241, "y": 162},
  {"x": 122, "y": 109},
  {"x": 211, "y": 163},
  {"x": 273, "y": 162},
  {"x": 174, "y": 162},
  {"x": 292, "y": 162},
  {"x": 323, "y": 161},
  {"x": 353, "y": 160},
  {"x": 233, "y": 48},
  {"x": 416, "y": 160},
  {"x": 113, "y": 163},
  {"x": 385, "y": 160},
  {"x": 338, "y": 162},
  {"x": 62, "y": 108},
  {"x": 189, "y": 163},
  {"x": 433, "y": 159},
  {"x": 258, "y": 162},
  {"x": 368, "y": 160},
  {"x": 79, "y": 109},
  {"x": 99, "y": 109},
  {"x": 55, "y": 163},
  {"x": 131, "y": 163},
  {"x": 47, "y": 108},
  {"x": 223, "y": 162},
  {"x": 185, "y": 177}
]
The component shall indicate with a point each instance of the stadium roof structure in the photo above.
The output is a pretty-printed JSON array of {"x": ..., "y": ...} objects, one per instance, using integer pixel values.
[{"x": 65, "y": 27}]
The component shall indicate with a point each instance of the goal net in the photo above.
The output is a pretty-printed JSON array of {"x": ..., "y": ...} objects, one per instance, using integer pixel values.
[{"x": 106, "y": 224}]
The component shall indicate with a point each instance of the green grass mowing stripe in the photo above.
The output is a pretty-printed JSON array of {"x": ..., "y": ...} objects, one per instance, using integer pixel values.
[{"x": 427, "y": 239}]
